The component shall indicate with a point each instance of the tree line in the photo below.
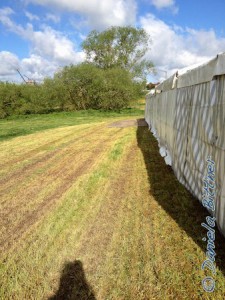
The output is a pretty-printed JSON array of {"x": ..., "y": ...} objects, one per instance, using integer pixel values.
[{"x": 112, "y": 75}]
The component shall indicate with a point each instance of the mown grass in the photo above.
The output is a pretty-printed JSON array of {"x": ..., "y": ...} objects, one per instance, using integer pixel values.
[
  {"x": 25, "y": 124},
  {"x": 62, "y": 229},
  {"x": 178, "y": 250},
  {"x": 92, "y": 212}
]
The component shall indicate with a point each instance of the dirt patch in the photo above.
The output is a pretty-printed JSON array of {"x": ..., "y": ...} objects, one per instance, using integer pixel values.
[{"x": 128, "y": 123}]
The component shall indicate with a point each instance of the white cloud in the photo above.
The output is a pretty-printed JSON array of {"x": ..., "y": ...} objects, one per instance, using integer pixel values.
[
  {"x": 53, "y": 18},
  {"x": 48, "y": 43},
  {"x": 5, "y": 14},
  {"x": 48, "y": 47},
  {"x": 52, "y": 44},
  {"x": 36, "y": 67},
  {"x": 99, "y": 13},
  {"x": 161, "y": 4},
  {"x": 174, "y": 47},
  {"x": 6, "y": 11},
  {"x": 165, "y": 4},
  {"x": 31, "y": 16},
  {"x": 9, "y": 62}
]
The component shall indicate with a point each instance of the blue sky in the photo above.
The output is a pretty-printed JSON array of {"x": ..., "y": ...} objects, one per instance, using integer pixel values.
[{"x": 41, "y": 36}]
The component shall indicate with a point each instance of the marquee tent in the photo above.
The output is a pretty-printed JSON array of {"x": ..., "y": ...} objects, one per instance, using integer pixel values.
[{"x": 187, "y": 116}]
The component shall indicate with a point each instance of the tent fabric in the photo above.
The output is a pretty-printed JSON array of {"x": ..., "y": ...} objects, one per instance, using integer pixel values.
[
  {"x": 189, "y": 124},
  {"x": 168, "y": 84},
  {"x": 203, "y": 73}
]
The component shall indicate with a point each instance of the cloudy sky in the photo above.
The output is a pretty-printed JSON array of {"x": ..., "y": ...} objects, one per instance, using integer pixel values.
[{"x": 41, "y": 36}]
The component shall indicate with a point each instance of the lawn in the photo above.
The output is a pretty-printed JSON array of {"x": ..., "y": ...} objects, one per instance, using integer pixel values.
[
  {"x": 91, "y": 211},
  {"x": 15, "y": 126}
]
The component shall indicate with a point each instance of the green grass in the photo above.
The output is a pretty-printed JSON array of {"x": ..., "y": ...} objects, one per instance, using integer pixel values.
[
  {"x": 25, "y": 124},
  {"x": 94, "y": 210}
]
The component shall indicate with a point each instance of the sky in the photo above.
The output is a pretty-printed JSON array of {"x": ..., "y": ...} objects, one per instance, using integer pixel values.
[{"x": 39, "y": 37}]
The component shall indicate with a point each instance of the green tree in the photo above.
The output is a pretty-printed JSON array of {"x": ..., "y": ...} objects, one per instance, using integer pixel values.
[
  {"x": 123, "y": 47},
  {"x": 86, "y": 86},
  {"x": 82, "y": 84}
]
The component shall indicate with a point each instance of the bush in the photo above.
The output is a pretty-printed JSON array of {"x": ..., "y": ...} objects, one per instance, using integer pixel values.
[
  {"x": 87, "y": 86},
  {"x": 83, "y": 86}
]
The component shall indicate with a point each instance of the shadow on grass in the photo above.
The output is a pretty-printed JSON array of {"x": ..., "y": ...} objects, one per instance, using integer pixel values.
[
  {"x": 173, "y": 197},
  {"x": 73, "y": 284}
]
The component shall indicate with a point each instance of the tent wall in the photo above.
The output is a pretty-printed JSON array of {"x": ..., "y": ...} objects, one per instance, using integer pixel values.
[{"x": 189, "y": 124}]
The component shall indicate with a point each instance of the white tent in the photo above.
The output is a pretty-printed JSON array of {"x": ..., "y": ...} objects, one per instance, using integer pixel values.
[{"x": 188, "y": 120}]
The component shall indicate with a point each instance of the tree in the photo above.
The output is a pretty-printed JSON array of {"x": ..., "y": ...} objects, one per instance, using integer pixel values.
[
  {"x": 123, "y": 47},
  {"x": 85, "y": 86},
  {"x": 81, "y": 85}
]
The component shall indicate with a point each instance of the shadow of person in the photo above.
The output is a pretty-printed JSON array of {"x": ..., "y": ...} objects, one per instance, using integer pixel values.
[
  {"x": 73, "y": 284},
  {"x": 175, "y": 199}
]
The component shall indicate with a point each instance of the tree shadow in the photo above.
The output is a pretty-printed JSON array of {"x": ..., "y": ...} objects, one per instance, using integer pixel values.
[
  {"x": 73, "y": 284},
  {"x": 174, "y": 198}
]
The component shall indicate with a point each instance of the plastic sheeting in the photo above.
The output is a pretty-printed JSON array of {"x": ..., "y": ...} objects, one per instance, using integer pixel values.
[{"x": 189, "y": 124}]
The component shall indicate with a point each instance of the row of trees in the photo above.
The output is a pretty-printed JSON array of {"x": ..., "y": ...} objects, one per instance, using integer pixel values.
[
  {"x": 112, "y": 75},
  {"x": 75, "y": 87}
]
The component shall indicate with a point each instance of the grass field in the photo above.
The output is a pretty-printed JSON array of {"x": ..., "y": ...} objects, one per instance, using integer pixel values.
[
  {"x": 15, "y": 126},
  {"x": 90, "y": 211}
]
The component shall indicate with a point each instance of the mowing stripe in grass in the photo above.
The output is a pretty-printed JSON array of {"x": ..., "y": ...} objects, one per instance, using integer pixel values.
[
  {"x": 72, "y": 216},
  {"x": 30, "y": 213}
]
